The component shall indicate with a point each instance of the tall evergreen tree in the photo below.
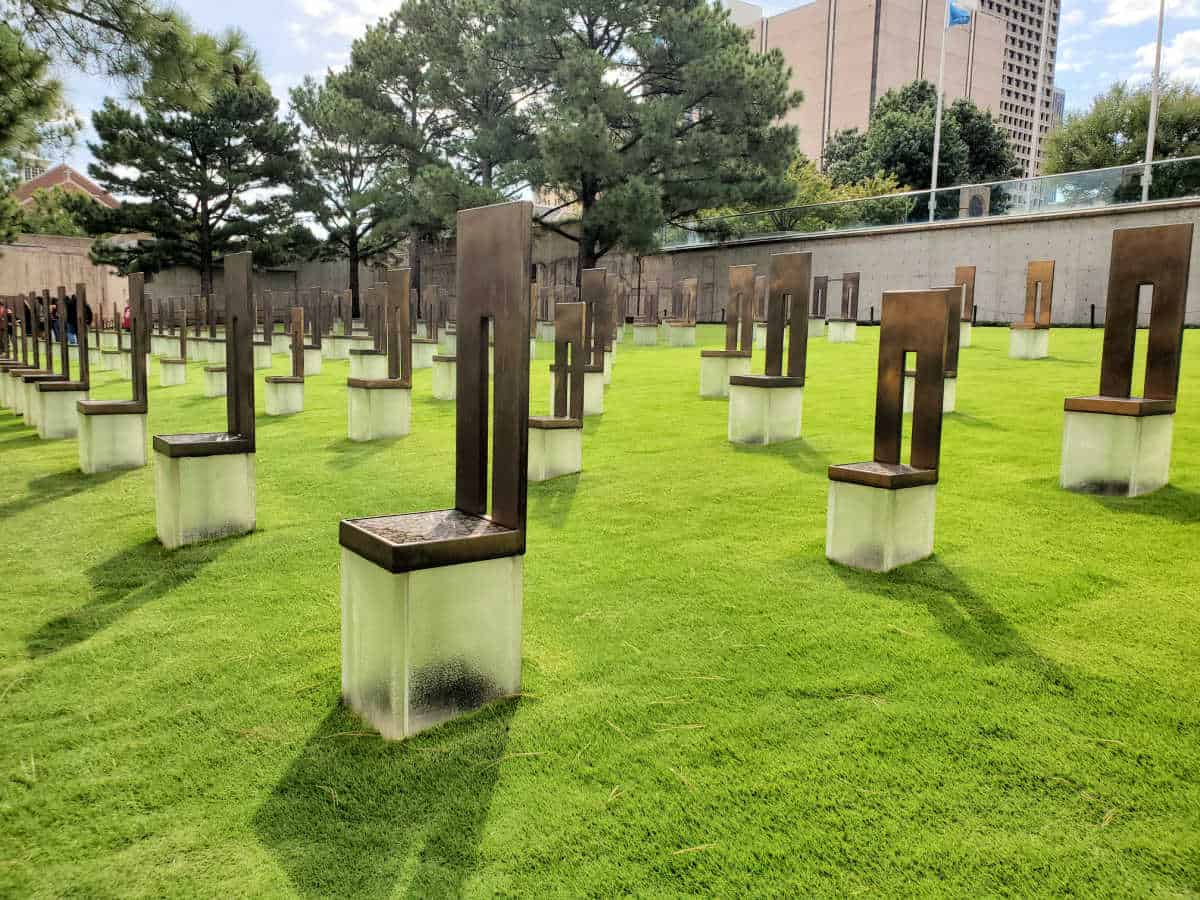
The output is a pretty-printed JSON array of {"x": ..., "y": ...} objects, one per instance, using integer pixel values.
[
  {"x": 650, "y": 111},
  {"x": 198, "y": 179},
  {"x": 351, "y": 159}
]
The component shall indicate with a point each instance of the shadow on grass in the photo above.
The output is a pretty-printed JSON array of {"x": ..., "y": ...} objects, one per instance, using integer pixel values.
[
  {"x": 122, "y": 583},
  {"x": 960, "y": 612},
  {"x": 54, "y": 487},
  {"x": 973, "y": 421},
  {"x": 348, "y": 453},
  {"x": 1172, "y": 503},
  {"x": 799, "y": 453},
  {"x": 354, "y": 813},
  {"x": 551, "y": 500},
  {"x": 25, "y": 440}
]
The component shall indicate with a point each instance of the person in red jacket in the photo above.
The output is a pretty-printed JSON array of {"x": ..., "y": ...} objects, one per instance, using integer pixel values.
[{"x": 126, "y": 318}]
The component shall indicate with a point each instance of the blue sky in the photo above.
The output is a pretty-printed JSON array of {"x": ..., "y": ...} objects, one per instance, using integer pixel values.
[{"x": 1101, "y": 41}]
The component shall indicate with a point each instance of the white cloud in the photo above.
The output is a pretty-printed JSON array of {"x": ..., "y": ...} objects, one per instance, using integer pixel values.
[
  {"x": 1119, "y": 13},
  {"x": 315, "y": 8},
  {"x": 299, "y": 35},
  {"x": 1180, "y": 58},
  {"x": 1067, "y": 61},
  {"x": 346, "y": 19},
  {"x": 1073, "y": 17}
]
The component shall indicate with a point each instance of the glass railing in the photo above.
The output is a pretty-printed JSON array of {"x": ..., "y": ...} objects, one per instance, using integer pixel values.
[{"x": 1171, "y": 179}]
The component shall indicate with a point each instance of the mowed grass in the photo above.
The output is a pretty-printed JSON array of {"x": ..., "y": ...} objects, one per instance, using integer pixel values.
[{"x": 710, "y": 708}]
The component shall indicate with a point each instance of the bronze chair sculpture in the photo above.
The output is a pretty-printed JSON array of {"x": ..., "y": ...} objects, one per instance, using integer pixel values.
[
  {"x": 718, "y": 366},
  {"x": 1114, "y": 442},
  {"x": 767, "y": 408},
  {"x": 881, "y": 512},
  {"x": 1030, "y": 338},
  {"x": 431, "y": 601}
]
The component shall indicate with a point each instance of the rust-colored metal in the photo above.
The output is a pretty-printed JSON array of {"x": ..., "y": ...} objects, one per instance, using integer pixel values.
[
  {"x": 916, "y": 322},
  {"x": 595, "y": 293},
  {"x": 494, "y": 250},
  {"x": 739, "y": 317},
  {"x": 268, "y": 319},
  {"x": 649, "y": 312},
  {"x": 1160, "y": 257},
  {"x": 850, "y": 283},
  {"x": 81, "y": 334},
  {"x": 965, "y": 275},
  {"x": 239, "y": 436},
  {"x": 399, "y": 329},
  {"x": 570, "y": 354},
  {"x": 820, "y": 297},
  {"x": 139, "y": 340},
  {"x": 789, "y": 285},
  {"x": 64, "y": 346},
  {"x": 49, "y": 338},
  {"x": 1039, "y": 295},
  {"x": 761, "y": 289},
  {"x": 296, "y": 329}
]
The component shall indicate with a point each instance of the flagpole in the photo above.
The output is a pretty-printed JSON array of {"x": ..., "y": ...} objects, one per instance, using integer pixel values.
[
  {"x": 1152, "y": 129},
  {"x": 937, "y": 127}
]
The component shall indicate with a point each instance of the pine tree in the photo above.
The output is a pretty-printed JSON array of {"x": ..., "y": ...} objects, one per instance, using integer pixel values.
[
  {"x": 647, "y": 112},
  {"x": 198, "y": 179}
]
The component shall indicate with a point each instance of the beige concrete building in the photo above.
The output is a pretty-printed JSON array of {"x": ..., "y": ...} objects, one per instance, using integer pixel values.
[{"x": 844, "y": 54}]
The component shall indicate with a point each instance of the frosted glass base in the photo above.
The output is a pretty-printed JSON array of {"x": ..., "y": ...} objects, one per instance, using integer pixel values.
[
  {"x": 1124, "y": 456},
  {"x": 422, "y": 355},
  {"x": 202, "y": 498},
  {"x": 879, "y": 530},
  {"x": 715, "y": 372},
  {"x": 608, "y": 367},
  {"x": 645, "y": 335},
  {"x": 368, "y": 366},
  {"x": 620, "y": 333},
  {"x": 284, "y": 398},
  {"x": 108, "y": 340},
  {"x": 335, "y": 347},
  {"x": 15, "y": 399},
  {"x": 125, "y": 363},
  {"x": 445, "y": 379},
  {"x": 378, "y": 414},
  {"x": 949, "y": 395},
  {"x": 214, "y": 384},
  {"x": 449, "y": 344},
  {"x": 545, "y": 332},
  {"x": 31, "y": 407},
  {"x": 683, "y": 335},
  {"x": 171, "y": 374},
  {"x": 216, "y": 352},
  {"x": 764, "y": 415},
  {"x": 593, "y": 393},
  {"x": 421, "y": 648},
  {"x": 964, "y": 335},
  {"x": 312, "y": 361},
  {"x": 262, "y": 356},
  {"x": 554, "y": 452},
  {"x": 760, "y": 335},
  {"x": 1029, "y": 343},
  {"x": 58, "y": 418},
  {"x": 111, "y": 442},
  {"x": 843, "y": 332},
  {"x": 281, "y": 344},
  {"x": 816, "y": 328}
]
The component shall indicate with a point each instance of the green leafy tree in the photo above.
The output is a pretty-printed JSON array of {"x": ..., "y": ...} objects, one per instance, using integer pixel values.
[
  {"x": 816, "y": 204},
  {"x": 1112, "y": 132},
  {"x": 898, "y": 142},
  {"x": 54, "y": 211},
  {"x": 200, "y": 180},
  {"x": 351, "y": 163},
  {"x": 648, "y": 111}
]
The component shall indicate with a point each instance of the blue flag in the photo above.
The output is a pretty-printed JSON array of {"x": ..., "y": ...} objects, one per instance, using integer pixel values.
[{"x": 960, "y": 12}]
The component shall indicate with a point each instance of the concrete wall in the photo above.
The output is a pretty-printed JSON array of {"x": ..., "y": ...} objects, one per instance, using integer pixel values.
[
  {"x": 37, "y": 262},
  {"x": 910, "y": 257}
]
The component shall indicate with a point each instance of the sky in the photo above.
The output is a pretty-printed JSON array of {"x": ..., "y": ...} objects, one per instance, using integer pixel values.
[{"x": 1100, "y": 42}]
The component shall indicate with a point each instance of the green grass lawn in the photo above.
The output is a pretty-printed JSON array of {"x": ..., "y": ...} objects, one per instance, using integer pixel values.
[{"x": 710, "y": 706}]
